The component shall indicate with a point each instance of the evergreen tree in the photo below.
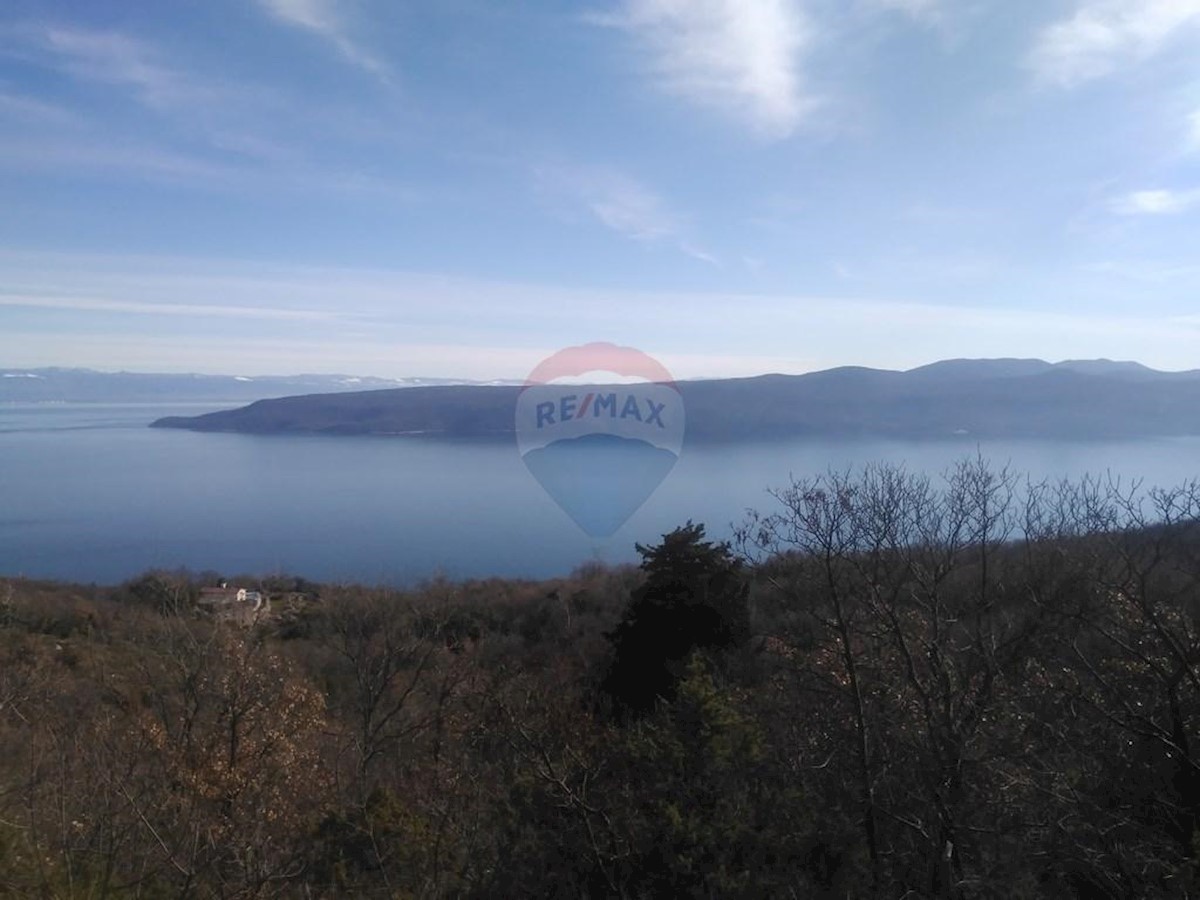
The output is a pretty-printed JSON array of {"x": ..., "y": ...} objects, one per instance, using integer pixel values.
[{"x": 693, "y": 598}]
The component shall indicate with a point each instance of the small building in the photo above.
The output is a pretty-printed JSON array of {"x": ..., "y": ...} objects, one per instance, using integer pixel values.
[{"x": 227, "y": 599}]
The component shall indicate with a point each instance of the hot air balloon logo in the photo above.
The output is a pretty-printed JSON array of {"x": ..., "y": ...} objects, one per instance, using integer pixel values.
[{"x": 600, "y": 449}]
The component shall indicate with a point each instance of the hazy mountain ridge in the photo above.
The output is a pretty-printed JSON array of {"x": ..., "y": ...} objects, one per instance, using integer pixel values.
[
  {"x": 68, "y": 385},
  {"x": 978, "y": 398}
]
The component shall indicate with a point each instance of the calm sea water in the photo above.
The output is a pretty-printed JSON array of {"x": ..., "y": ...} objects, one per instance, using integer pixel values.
[{"x": 89, "y": 493}]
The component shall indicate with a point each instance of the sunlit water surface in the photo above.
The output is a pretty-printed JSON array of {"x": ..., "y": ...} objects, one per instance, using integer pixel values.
[{"x": 90, "y": 493}]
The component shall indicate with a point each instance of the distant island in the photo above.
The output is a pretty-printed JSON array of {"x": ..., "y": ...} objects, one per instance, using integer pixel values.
[{"x": 952, "y": 398}]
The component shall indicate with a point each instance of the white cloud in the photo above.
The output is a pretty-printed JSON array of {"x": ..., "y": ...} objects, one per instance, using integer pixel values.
[
  {"x": 1156, "y": 202},
  {"x": 1193, "y": 138},
  {"x": 741, "y": 57},
  {"x": 1103, "y": 35},
  {"x": 320, "y": 18}
]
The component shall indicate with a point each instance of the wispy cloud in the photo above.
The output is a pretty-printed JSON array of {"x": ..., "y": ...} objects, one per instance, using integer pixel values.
[
  {"x": 1150, "y": 271},
  {"x": 298, "y": 318},
  {"x": 625, "y": 206},
  {"x": 139, "y": 69},
  {"x": 101, "y": 154},
  {"x": 929, "y": 11},
  {"x": 320, "y": 17},
  {"x": 119, "y": 59},
  {"x": 206, "y": 113},
  {"x": 30, "y": 109},
  {"x": 193, "y": 310},
  {"x": 620, "y": 203},
  {"x": 1193, "y": 131},
  {"x": 1104, "y": 35},
  {"x": 741, "y": 57},
  {"x": 1157, "y": 202},
  {"x": 219, "y": 132}
]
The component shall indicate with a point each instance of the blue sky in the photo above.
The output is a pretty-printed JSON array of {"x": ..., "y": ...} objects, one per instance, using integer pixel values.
[{"x": 462, "y": 187}]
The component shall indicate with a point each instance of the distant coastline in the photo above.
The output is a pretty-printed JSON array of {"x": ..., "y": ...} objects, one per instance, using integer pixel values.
[{"x": 1008, "y": 398}]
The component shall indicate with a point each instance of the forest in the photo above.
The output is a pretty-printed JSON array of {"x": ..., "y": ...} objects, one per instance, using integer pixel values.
[{"x": 886, "y": 685}]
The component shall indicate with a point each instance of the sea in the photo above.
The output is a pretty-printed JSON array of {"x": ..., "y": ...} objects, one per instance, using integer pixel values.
[{"x": 90, "y": 493}]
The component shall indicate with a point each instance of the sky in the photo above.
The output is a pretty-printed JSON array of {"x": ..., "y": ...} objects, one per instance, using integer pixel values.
[{"x": 462, "y": 187}]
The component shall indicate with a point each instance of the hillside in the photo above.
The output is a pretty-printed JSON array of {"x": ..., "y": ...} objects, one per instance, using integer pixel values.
[
  {"x": 978, "y": 398},
  {"x": 861, "y": 701}
]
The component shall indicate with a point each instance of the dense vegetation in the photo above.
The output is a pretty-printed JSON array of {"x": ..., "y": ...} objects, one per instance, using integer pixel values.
[{"x": 888, "y": 687}]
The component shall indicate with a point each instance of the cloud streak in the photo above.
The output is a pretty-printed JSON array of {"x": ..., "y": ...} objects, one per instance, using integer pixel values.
[
  {"x": 621, "y": 204},
  {"x": 628, "y": 208},
  {"x": 1156, "y": 202},
  {"x": 319, "y": 17},
  {"x": 395, "y": 323},
  {"x": 119, "y": 59},
  {"x": 928, "y": 11},
  {"x": 136, "y": 307},
  {"x": 740, "y": 57},
  {"x": 195, "y": 127},
  {"x": 32, "y": 110},
  {"x": 1104, "y": 35},
  {"x": 138, "y": 70}
]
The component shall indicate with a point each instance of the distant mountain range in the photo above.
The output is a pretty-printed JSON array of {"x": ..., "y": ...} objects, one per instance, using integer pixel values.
[
  {"x": 91, "y": 386},
  {"x": 959, "y": 397}
]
